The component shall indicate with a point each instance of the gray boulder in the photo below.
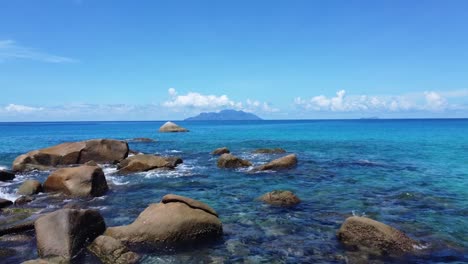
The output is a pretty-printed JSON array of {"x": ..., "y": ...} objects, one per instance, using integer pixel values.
[
  {"x": 66, "y": 232},
  {"x": 230, "y": 161},
  {"x": 99, "y": 150},
  {"x": 172, "y": 127},
  {"x": 175, "y": 221},
  {"x": 77, "y": 181}
]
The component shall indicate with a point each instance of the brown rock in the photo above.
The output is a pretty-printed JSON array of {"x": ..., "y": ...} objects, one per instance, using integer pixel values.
[
  {"x": 145, "y": 162},
  {"x": 66, "y": 231},
  {"x": 220, "y": 151},
  {"x": 30, "y": 187},
  {"x": 145, "y": 140},
  {"x": 172, "y": 127},
  {"x": 269, "y": 151},
  {"x": 175, "y": 221},
  {"x": 99, "y": 150},
  {"x": 77, "y": 181},
  {"x": 285, "y": 162},
  {"x": 231, "y": 161},
  {"x": 111, "y": 251},
  {"x": 366, "y": 234},
  {"x": 91, "y": 163},
  {"x": 6, "y": 175},
  {"x": 53, "y": 260},
  {"x": 280, "y": 198},
  {"x": 24, "y": 200}
]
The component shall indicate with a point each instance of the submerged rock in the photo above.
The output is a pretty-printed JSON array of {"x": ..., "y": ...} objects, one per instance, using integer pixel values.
[
  {"x": 5, "y": 203},
  {"x": 6, "y": 175},
  {"x": 172, "y": 127},
  {"x": 65, "y": 232},
  {"x": 231, "y": 161},
  {"x": 111, "y": 251},
  {"x": 24, "y": 200},
  {"x": 77, "y": 181},
  {"x": 280, "y": 198},
  {"x": 285, "y": 162},
  {"x": 30, "y": 187},
  {"x": 99, "y": 150},
  {"x": 145, "y": 162},
  {"x": 175, "y": 221},
  {"x": 15, "y": 220},
  {"x": 269, "y": 151},
  {"x": 220, "y": 151},
  {"x": 144, "y": 140},
  {"x": 369, "y": 235}
]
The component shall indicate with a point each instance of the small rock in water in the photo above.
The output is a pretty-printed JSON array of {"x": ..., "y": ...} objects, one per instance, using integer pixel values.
[
  {"x": 6, "y": 175},
  {"x": 144, "y": 162},
  {"x": 24, "y": 200},
  {"x": 285, "y": 162},
  {"x": 230, "y": 161},
  {"x": 280, "y": 198},
  {"x": 5, "y": 203},
  {"x": 30, "y": 187},
  {"x": 269, "y": 151},
  {"x": 172, "y": 127},
  {"x": 141, "y": 139},
  {"x": 220, "y": 151}
]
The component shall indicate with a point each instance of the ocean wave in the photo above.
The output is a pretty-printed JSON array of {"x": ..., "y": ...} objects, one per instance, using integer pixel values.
[
  {"x": 117, "y": 180},
  {"x": 8, "y": 193}
]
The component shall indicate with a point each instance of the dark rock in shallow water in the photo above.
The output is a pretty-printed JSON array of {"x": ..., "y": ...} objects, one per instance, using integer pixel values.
[
  {"x": 175, "y": 221},
  {"x": 5, "y": 203},
  {"x": 269, "y": 151},
  {"x": 66, "y": 231},
  {"x": 77, "y": 181},
  {"x": 172, "y": 127},
  {"x": 24, "y": 200},
  {"x": 139, "y": 163},
  {"x": 6, "y": 175},
  {"x": 52, "y": 260},
  {"x": 99, "y": 150},
  {"x": 231, "y": 161},
  {"x": 15, "y": 220},
  {"x": 375, "y": 237},
  {"x": 144, "y": 140},
  {"x": 111, "y": 251},
  {"x": 280, "y": 198},
  {"x": 30, "y": 187},
  {"x": 220, "y": 151},
  {"x": 285, "y": 162}
]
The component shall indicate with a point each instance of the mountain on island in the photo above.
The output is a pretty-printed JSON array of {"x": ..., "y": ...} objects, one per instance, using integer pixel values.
[{"x": 227, "y": 114}]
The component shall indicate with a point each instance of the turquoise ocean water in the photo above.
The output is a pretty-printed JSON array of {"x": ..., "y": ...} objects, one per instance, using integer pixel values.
[{"x": 411, "y": 174}]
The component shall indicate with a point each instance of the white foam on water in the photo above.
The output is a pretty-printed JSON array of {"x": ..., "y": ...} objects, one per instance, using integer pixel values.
[
  {"x": 181, "y": 170},
  {"x": 3, "y": 167},
  {"x": 420, "y": 246},
  {"x": 117, "y": 180},
  {"x": 8, "y": 193},
  {"x": 174, "y": 151}
]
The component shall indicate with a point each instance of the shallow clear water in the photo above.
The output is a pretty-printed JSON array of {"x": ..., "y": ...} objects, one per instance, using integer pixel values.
[{"x": 411, "y": 174}]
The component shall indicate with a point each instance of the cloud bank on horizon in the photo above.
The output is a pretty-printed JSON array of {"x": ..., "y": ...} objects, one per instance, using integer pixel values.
[{"x": 425, "y": 104}]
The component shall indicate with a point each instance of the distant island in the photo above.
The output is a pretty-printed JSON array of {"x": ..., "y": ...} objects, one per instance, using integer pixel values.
[{"x": 227, "y": 114}]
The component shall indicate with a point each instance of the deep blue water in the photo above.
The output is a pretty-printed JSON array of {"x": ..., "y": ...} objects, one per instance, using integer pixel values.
[{"x": 411, "y": 174}]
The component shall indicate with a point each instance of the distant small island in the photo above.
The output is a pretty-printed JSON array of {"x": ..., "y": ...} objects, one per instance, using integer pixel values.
[{"x": 227, "y": 114}]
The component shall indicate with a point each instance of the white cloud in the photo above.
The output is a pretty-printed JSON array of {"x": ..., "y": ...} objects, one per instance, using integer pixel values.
[
  {"x": 9, "y": 49},
  {"x": 14, "y": 108},
  {"x": 199, "y": 102},
  {"x": 341, "y": 102}
]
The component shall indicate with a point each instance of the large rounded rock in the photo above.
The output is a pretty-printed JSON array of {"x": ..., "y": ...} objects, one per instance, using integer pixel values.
[
  {"x": 30, "y": 187},
  {"x": 65, "y": 232},
  {"x": 77, "y": 181},
  {"x": 6, "y": 175},
  {"x": 269, "y": 151},
  {"x": 285, "y": 162},
  {"x": 172, "y": 127},
  {"x": 280, "y": 198},
  {"x": 145, "y": 162},
  {"x": 231, "y": 161},
  {"x": 99, "y": 150},
  {"x": 111, "y": 251},
  {"x": 220, "y": 151},
  {"x": 370, "y": 235},
  {"x": 175, "y": 221}
]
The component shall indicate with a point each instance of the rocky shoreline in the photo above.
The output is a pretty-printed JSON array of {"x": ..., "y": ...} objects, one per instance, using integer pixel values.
[{"x": 176, "y": 221}]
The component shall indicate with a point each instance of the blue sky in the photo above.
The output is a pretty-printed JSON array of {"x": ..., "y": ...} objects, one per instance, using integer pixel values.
[{"x": 158, "y": 60}]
